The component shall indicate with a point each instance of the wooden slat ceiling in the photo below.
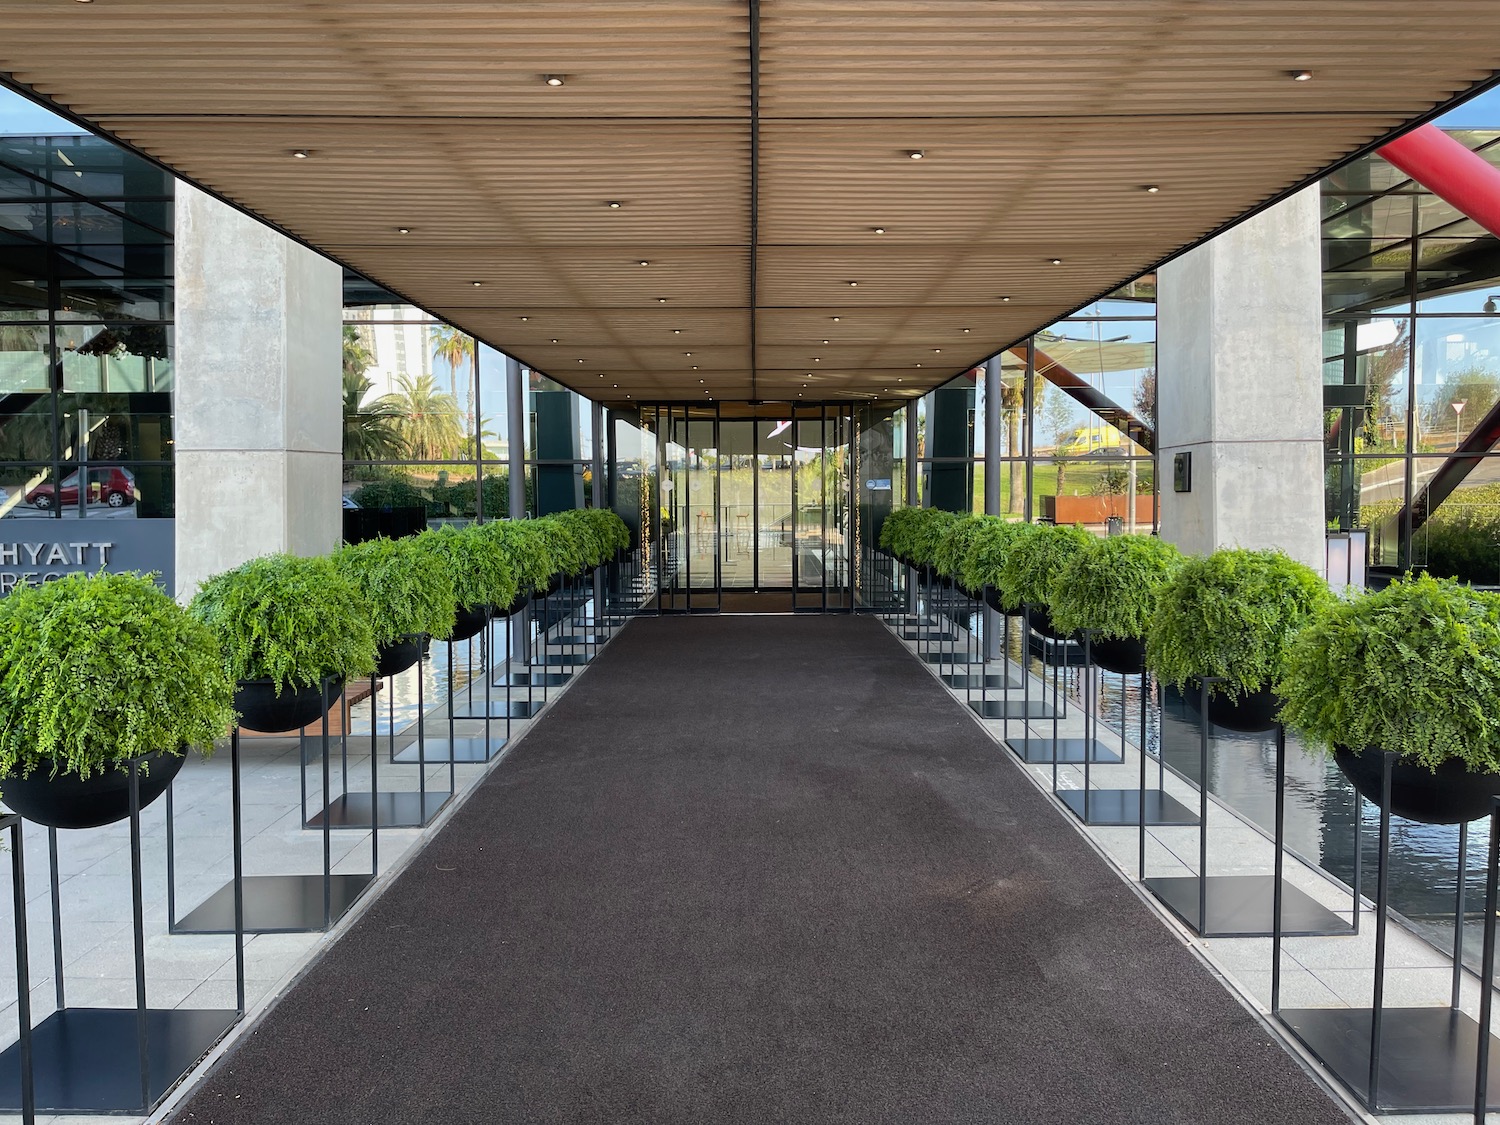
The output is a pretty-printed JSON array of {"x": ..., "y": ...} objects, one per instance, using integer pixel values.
[{"x": 1040, "y": 124}]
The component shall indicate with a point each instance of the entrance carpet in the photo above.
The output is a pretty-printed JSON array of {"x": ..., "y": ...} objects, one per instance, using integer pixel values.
[{"x": 757, "y": 870}]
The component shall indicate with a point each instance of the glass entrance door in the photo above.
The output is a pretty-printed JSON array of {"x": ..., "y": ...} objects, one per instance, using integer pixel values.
[{"x": 755, "y": 507}]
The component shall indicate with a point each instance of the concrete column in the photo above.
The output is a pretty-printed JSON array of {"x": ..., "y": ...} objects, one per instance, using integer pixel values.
[
  {"x": 1240, "y": 386},
  {"x": 258, "y": 398}
]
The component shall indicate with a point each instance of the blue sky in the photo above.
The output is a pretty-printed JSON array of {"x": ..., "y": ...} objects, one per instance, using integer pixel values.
[{"x": 21, "y": 117}]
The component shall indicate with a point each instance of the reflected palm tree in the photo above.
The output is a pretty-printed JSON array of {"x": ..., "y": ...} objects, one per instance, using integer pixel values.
[
  {"x": 456, "y": 350},
  {"x": 372, "y": 430},
  {"x": 428, "y": 419}
]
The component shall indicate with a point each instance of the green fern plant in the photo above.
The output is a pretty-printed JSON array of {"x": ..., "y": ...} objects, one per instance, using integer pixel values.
[
  {"x": 1112, "y": 585},
  {"x": 925, "y": 533},
  {"x": 482, "y": 575},
  {"x": 410, "y": 591},
  {"x": 563, "y": 546},
  {"x": 988, "y": 546},
  {"x": 523, "y": 544},
  {"x": 289, "y": 620},
  {"x": 1232, "y": 614},
  {"x": 96, "y": 669},
  {"x": 1034, "y": 556},
  {"x": 1413, "y": 669},
  {"x": 954, "y": 545}
]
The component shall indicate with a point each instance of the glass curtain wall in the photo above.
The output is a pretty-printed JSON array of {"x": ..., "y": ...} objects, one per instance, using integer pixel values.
[
  {"x": 1078, "y": 413},
  {"x": 85, "y": 324},
  {"x": 427, "y": 422},
  {"x": 1412, "y": 369}
]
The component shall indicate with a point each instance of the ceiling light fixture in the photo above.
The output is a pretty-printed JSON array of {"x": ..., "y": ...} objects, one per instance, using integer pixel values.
[
  {"x": 661, "y": 300},
  {"x": 966, "y": 330},
  {"x": 644, "y": 262},
  {"x": 526, "y": 318},
  {"x": 554, "y": 79},
  {"x": 854, "y": 285},
  {"x": 1005, "y": 298},
  {"x": 1151, "y": 189},
  {"x": 915, "y": 153},
  {"x": 834, "y": 319},
  {"x": 879, "y": 230},
  {"x": 403, "y": 230},
  {"x": 300, "y": 153},
  {"x": 554, "y": 341},
  {"x": 1057, "y": 261},
  {"x": 677, "y": 331},
  {"x": 476, "y": 284},
  {"x": 687, "y": 353},
  {"x": 919, "y": 365},
  {"x": 937, "y": 351},
  {"x": 1301, "y": 75},
  {"x": 614, "y": 205}
]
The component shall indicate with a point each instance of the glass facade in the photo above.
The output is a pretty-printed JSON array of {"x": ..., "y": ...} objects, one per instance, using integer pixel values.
[
  {"x": 85, "y": 324},
  {"x": 1412, "y": 370},
  {"x": 1078, "y": 412}
]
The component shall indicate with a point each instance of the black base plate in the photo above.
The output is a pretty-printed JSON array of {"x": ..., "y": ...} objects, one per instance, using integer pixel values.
[
  {"x": 577, "y": 639},
  {"x": 955, "y": 658},
  {"x": 1121, "y": 807},
  {"x": 927, "y": 635},
  {"x": 1045, "y": 752},
  {"x": 472, "y": 750},
  {"x": 1427, "y": 1055},
  {"x": 397, "y": 810},
  {"x": 992, "y": 681},
  {"x": 561, "y": 660},
  {"x": 500, "y": 709},
  {"x": 1011, "y": 709},
  {"x": 534, "y": 679},
  {"x": 84, "y": 1060},
  {"x": 276, "y": 904},
  {"x": 1240, "y": 906}
]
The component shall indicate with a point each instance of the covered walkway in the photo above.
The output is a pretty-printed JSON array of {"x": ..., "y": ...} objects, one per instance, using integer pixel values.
[{"x": 749, "y": 870}]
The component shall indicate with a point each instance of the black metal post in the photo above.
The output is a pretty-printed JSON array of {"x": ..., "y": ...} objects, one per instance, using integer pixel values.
[
  {"x": 138, "y": 919},
  {"x": 23, "y": 970},
  {"x": 1278, "y": 866},
  {"x": 237, "y": 851},
  {"x": 1382, "y": 880}
]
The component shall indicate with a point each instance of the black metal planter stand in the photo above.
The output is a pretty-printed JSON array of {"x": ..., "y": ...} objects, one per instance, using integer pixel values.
[
  {"x": 1244, "y": 905},
  {"x": 468, "y": 749},
  {"x": 1053, "y": 750},
  {"x": 272, "y": 904},
  {"x": 376, "y": 810},
  {"x": 1138, "y": 807},
  {"x": 1005, "y": 707},
  {"x": 1413, "y": 1059},
  {"x": 102, "y": 1060}
]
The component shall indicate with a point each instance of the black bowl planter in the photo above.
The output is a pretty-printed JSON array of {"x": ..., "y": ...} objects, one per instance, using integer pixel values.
[
  {"x": 262, "y": 708},
  {"x": 395, "y": 658},
  {"x": 68, "y": 801},
  {"x": 1451, "y": 795},
  {"x": 1041, "y": 622},
  {"x": 1124, "y": 655},
  {"x": 1253, "y": 713},
  {"x": 992, "y": 599},
  {"x": 471, "y": 619},
  {"x": 511, "y": 610},
  {"x": 553, "y": 585}
]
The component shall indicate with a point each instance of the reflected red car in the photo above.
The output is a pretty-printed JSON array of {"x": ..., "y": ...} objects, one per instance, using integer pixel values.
[{"x": 115, "y": 487}]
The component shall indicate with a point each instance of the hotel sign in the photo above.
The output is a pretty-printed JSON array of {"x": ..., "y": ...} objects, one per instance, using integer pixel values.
[{"x": 34, "y": 550}]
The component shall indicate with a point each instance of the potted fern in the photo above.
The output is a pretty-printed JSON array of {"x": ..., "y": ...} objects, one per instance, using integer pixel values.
[
  {"x": 1231, "y": 615},
  {"x": 985, "y": 557},
  {"x": 563, "y": 549},
  {"x": 482, "y": 575},
  {"x": 953, "y": 547},
  {"x": 98, "y": 671},
  {"x": 1034, "y": 556},
  {"x": 1111, "y": 587},
  {"x": 410, "y": 593},
  {"x": 285, "y": 625},
  {"x": 523, "y": 546},
  {"x": 1414, "y": 670}
]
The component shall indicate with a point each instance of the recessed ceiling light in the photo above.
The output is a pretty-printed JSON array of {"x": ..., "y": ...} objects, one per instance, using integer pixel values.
[
  {"x": 919, "y": 365},
  {"x": 644, "y": 262},
  {"x": 687, "y": 353},
  {"x": 1151, "y": 189},
  {"x": 965, "y": 329},
  {"x": 403, "y": 230},
  {"x": 879, "y": 230},
  {"x": 580, "y": 361},
  {"x": 834, "y": 319},
  {"x": 1301, "y": 75},
  {"x": 915, "y": 153},
  {"x": 937, "y": 351},
  {"x": 825, "y": 341},
  {"x": 1005, "y": 298},
  {"x": 1057, "y": 261},
  {"x": 554, "y": 341},
  {"x": 476, "y": 284},
  {"x": 554, "y": 79},
  {"x": 616, "y": 385},
  {"x": 700, "y": 380},
  {"x": 526, "y": 318},
  {"x": 854, "y": 285},
  {"x": 695, "y": 367},
  {"x": 614, "y": 205},
  {"x": 900, "y": 379},
  {"x": 817, "y": 359},
  {"x": 300, "y": 153},
  {"x": 661, "y": 300},
  {"x": 677, "y": 331}
]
